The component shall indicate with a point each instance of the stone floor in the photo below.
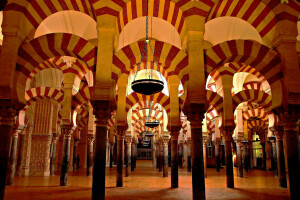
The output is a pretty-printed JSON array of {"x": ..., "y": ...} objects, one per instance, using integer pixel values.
[{"x": 146, "y": 183}]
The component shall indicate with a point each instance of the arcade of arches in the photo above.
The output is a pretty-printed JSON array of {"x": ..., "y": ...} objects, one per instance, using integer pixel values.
[{"x": 231, "y": 97}]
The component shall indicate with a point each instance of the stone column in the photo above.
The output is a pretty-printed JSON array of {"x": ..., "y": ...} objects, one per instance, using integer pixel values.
[
  {"x": 157, "y": 154},
  {"x": 189, "y": 155},
  {"x": 227, "y": 132},
  {"x": 264, "y": 156},
  {"x": 127, "y": 155},
  {"x": 111, "y": 153},
  {"x": 135, "y": 152},
  {"x": 180, "y": 154},
  {"x": 217, "y": 154},
  {"x": 6, "y": 124},
  {"x": 174, "y": 158},
  {"x": 239, "y": 157},
  {"x": 291, "y": 148},
  {"x": 161, "y": 158},
  {"x": 132, "y": 154},
  {"x": 198, "y": 179},
  {"x": 274, "y": 156},
  {"x": 75, "y": 153},
  {"x": 90, "y": 156},
  {"x": 280, "y": 159},
  {"x": 21, "y": 152},
  {"x": 12, "y": 158},
  {"x": 246, "y": 156},
  {"x": 67, "y": 132},
  {"x": 205, "y": 157},
  {"x": 53, "y": 157},
  {"x": 120, "y": 153},
  {"x": 102, "y": 116},
  {"x": 165, "y": 156}
]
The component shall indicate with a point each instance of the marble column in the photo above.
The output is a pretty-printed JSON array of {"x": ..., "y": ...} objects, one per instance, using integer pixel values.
[
  {"x": 90, "y": 152},
  {"x": 264, "y": 156},
  {"x": 6, "y": 124},
  {"x": 12, "y": 158},
  {"x": 246, "y": 156},
  {"x": 67, "y": 132},
  {"x": 239, "y": 157},
  {"x": 205, "y": 157},
  {"x": 227, "y": 132},
  {"x": 75, "y": 154},
  {"x": 198, "y": 178},
  {"x": 274, "y": 156},
  {"x": 100, "y": 138},
  {"x": 111, "y": 154},
  {"x": 157, "y": 154},
  {"x": 53, "y": 156},
  {"x": 165, "y": 157},
  {"x": 120, "y": 153},
  {"x": 127, "y": 155},
  {"x": 291, "y": 148},
  {"x": 180, "y": 154},
  {"x": 132, "y": 154},
  {"x": 280, "y": 159},
  {"x": 189, "y": 155},
  {"x": 217, "y": 154},
  {"x": 161, "y": 158},
  {"x": 174, "y": 158},
  {"x": 21, "y": 150}
]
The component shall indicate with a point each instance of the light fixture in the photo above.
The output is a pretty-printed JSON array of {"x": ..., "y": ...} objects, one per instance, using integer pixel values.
[{"x": 148, "y": 85}]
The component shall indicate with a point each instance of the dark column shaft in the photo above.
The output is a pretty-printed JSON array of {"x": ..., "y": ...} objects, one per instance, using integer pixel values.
[
  {"x": 174, "y": 159},
  {"x": 65, "y": 160},
  {"x": 189, "y": 156},
  {"x": 180, "y": 155},
  {"x": 264, "y": 161},
  {"x": 12, "y": 160},
  {"x": 161, "y": 156},
  {"x": 165, "y": 155},
  {"x": 228, "y": 159},
  {"x": 90, "y": 151},
  {"x": 205, "y": 157},
  {"x": 111, "y": 154},
  {"x": 132, "y": 156},
  {"x": 217, "y": 154},
  {"x": 198, "y": 179},
  {"x": 98, "y": 190},
  {"x": 6, "y": 123},
  {"x": 120, "y": 143},
  {"x": 239, "y": 156},
  {"x": 127, "y": 156},
  {"x": 75, "y": 150},
  {"x": 53, "y": 157},
  {"x": 281, "y": 162},
  {"x": 20, "y": 154},
  {"x": 157, "y": 155},
  {"x": 274, "y": 156},
  {"x": 292, "y": 155},
  {"x": 245, "y": 152}
]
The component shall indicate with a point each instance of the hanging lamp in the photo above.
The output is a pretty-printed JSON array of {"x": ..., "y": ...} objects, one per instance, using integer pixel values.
[
  {"x": 149, "y": 123},
  {"x": 148, "y": 85}
]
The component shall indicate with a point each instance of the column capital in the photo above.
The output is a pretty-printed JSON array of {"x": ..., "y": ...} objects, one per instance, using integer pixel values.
[
  {"x": 279, "y": 135},
  {"x": 7, "y": 115},
  {"x": 90, "y": 138},
  {"x": 128, "y": 139},
  {"x": 227, "y": 131},
  {"x": 67, "y": 131},
  {"x": 54, "y": 140},
  {"x": 102, "y": 116},
  {"x": 76, "y": 142},
  {"x": 196, "y": 119}
]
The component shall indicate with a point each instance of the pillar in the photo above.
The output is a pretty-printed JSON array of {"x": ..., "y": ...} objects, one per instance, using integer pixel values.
[
  {"x": 127, "y": 155},
  {"x": 111, "y": 154},
  {"x": 274, "y": 156},
  {"x": 264, "y": 156},
  {"x": 291, "y": 148},
  {"x": 98, "y": 189},
  {"x": 205, "y": 157},
  {"x": 67, "y": 132},
  {"x": 157, "y": 154},
  {"x": 161, "y": 156},
  {"x": 120, "y": 143},
  {"x": 217, "y": 154},
  {"x": 6, "y": 123},
  {"x": 132, "y": 154},
  {"x": 174, "y": 158},
  {"x": 165, "y": 157},
  {"x": 239, "y": 157},
  {"x": 180, "y": 154},
  {"x": 280, "y": 159},
  {"x": 90, "y": 151},
  {"x": 53, "y": 156},
  {"x": 246, "y": 156},
  {"x": 75, "y": 153},
  {"x": 12, "y": 159},
  {"x": 227, "y": 132},
  {"x": 21, "y": 152},
  {"x": 189, "y": 155},
  {"x": 198, "y": 178}
]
